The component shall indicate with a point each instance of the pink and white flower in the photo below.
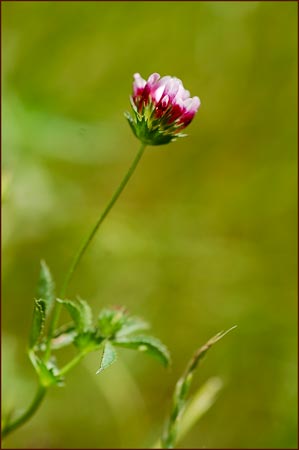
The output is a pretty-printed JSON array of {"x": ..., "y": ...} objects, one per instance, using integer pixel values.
[{"x": 162, "y": 108}]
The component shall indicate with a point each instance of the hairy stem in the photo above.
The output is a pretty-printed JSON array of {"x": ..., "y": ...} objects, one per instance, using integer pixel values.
[{"x": 11, "y": 426}]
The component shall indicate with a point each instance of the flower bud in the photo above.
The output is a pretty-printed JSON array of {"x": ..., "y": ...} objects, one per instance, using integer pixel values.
[{"x": 162, "y": 108}]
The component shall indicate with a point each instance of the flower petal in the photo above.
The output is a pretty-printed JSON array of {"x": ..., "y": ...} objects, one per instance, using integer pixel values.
[{"x": 138, "y": 84}]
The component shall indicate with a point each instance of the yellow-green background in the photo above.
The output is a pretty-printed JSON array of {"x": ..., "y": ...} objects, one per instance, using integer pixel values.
[{"x": 204, "y": 237}]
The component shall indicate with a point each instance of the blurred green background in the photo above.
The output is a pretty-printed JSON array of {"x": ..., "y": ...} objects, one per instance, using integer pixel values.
[{"x": 204, "y": 237}]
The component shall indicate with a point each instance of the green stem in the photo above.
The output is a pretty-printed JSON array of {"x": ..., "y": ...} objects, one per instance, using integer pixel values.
[
  {"x": 72, "y": 363},
  {"x": 27, "y": 414},
  {"x": 78, "y": 256},
  {"x": 100, "y": 220}
]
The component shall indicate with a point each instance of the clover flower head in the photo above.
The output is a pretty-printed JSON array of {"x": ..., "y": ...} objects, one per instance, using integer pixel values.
[{"x": 162, "y": 108}]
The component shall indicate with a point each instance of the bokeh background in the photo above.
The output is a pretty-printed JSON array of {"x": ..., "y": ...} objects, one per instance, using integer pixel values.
[{"x": 203, "y": 238}]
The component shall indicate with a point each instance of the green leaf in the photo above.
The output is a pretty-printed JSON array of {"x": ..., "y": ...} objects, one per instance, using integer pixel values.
[
  {"x": 46, "y": 287},
  {"x": 147, "y": 344},
  {"x": 88, "y": 341},
  {"x": 171, "y": 432},
  {"x": 86, "y": 315},
  {"x": 131, "y": 325},
  {"x": 111, "y": 321},
  {"x": 73, "y": 309},
  {"x": 64, "y": 329},
  {"x": 108, "y": 357},
  {"x": 198, "y": 405},
  {"x": 38, "y": 322},
  {"x": 200, "y": 353},
  {"x": 63, "y": 339},
  {"x": 116, "y": 321},
  {"x": 80, "y": 313},
  {"x": 48, "y": 373}
]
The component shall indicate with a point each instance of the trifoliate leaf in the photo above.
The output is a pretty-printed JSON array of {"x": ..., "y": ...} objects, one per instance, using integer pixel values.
[
  {"x": 147, "y": 344},
  {"x": 108, "y": 357},
  {"x": 46, "y": 287},
  {"x": 38, "y": 322}
]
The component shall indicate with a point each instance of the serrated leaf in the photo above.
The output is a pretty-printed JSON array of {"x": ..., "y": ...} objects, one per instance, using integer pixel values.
[
  {"x": 147, "y": 344},
  {"x": 38, "y": 322},
  {"x": 46, "y": 287},
  {"x": 73, "y": 309},
  {"x": 80, "y": 313},
  {"x": 86, "y": 315},
  {"x": 108, "y": 357}
]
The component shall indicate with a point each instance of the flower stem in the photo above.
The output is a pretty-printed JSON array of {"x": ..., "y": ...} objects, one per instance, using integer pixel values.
[
  {"x": 78, "y": 256},
  {"x": 100, "y": 220},
  {"x": 27, "y": 414}
]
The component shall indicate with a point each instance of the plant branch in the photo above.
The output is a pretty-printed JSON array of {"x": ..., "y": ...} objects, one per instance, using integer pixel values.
[
  {"x": 72, "y": 363},
  {"x": 11, "y": 426}
]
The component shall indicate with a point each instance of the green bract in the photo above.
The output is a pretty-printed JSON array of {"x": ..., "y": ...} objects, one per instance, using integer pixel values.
[{"x": 151, "y": 131}]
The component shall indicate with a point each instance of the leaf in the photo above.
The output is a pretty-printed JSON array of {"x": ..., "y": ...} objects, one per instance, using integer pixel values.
[
  {"x": 64, "y": 329},
  {"x": 46, "y": 287},
  {"x": 111, "y": 321},
  {"x": 182, "y": 388},
  {"x": 115, "y": 321},
  {"x": 200, "y": 353},
  {"x": 108, "y": 357},
  {"x": 86, "y": 315},
  {"x": 131, "y": 325},
  {"x": 80, "y": 313},
  {"x": 62, "y": 337},
  {"x": 73, "y": 309},
  {"x": 63, "y": 340},
  {"x": 38, "y": 322},
  {"x": 88, "y": 341},
  {"x": 199, "y": 404},
  {"x": 147, "y": 344},
  {"x": 48, "y": 372}
]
